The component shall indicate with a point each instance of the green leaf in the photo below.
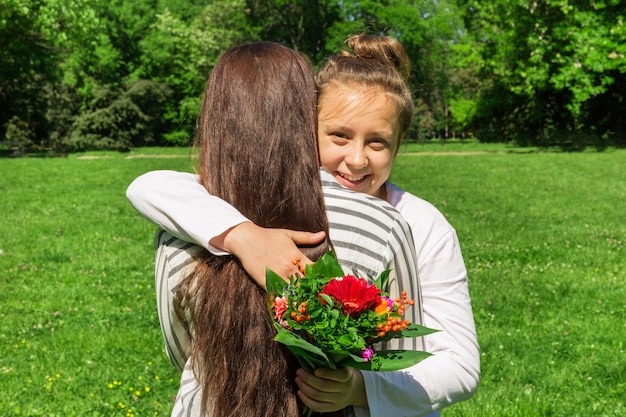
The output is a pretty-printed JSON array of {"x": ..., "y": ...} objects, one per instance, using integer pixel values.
[
  {"x": 309, "y": 361},
  {"x": 346, "y": 340},
  {"x": 344, "y": 358},
  {"x": 394, "y": 360},
  {"x": 383, "y": 278},
  {"x": 416, "y": 330},
  {"x": 315, "y": 313},
  {"x": 389, "y": 360},
  {"x": 274, "y": 284},
  {"x": 328, "y": 299},
  {"x": 304, "y": 350},
  {"x": 326, "y": 266}
]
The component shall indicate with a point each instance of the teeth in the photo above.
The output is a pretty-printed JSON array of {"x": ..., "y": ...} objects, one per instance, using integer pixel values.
[{"x": 349, "y": 178}]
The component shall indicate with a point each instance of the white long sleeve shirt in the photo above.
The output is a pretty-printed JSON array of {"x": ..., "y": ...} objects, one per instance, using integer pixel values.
[{"x": 177, "y": 203}]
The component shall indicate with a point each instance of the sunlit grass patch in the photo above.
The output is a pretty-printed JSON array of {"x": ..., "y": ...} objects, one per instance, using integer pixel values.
[{"x": 543, "y": 236}]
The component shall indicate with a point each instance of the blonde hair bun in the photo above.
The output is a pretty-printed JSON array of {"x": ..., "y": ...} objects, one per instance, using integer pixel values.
[{"x": 384, "y": 49}]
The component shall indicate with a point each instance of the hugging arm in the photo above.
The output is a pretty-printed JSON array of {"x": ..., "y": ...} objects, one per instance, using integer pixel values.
[
  {"x": 176, "y": 202},
  {"x": 179, "y": 204}
]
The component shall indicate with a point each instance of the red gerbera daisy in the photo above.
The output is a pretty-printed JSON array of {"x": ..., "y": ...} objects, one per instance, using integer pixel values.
[{"x": 354, "y": 294}]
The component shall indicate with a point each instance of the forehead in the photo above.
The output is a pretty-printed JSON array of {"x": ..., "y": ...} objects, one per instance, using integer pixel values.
[{"x": 356, "y": 102}]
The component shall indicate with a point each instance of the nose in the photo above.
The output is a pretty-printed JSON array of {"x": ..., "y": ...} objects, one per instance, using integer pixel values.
[{"x": 356, "y": 157}]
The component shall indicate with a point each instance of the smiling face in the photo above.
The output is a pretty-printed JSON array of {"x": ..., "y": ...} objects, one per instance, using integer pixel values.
[{"x": 359, "y": 135}]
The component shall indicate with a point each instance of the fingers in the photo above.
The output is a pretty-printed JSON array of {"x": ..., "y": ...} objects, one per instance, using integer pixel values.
[
  {"x": 331, "y": 389},
  {"x": 299, "y": 260},
  {"x": 306, "y": 238},
  {"x": 318, "y": 406},
  {"x": 258, "y": 248},
  {"x": 338, "y": 375},
  {"x": 320, "y": 394}
]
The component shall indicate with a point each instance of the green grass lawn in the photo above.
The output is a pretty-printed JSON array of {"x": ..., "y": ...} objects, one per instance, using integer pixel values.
[{"x": 543, "y": 235}]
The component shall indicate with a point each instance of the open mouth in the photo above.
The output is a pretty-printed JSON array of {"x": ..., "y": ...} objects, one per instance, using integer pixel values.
[{"x": 349, "y": 180}]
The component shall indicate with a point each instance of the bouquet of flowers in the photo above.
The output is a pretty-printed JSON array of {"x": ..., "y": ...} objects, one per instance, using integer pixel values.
[{"x": 330, "y": 320}]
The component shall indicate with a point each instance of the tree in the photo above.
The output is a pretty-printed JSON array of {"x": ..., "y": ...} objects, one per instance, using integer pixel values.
[
  {"x": 303, "y": 25},
  {"x": 68, "y": 58},
  {"x": 558, "y": 63},
  {"x": 118, "y": 118},
  {"x": 181, "y": 54},
  {"x": 28, "y": 59},
  {"x": 427, "y": 29}
]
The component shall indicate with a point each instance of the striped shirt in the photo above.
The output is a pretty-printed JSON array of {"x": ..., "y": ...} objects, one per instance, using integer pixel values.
[{"x": 369, "y": 236}]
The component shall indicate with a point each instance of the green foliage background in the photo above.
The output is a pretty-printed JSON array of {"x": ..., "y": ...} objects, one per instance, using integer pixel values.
[{"x": 86, "y": 74}]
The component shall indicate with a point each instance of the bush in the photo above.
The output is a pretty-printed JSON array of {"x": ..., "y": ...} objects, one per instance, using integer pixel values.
[
  {"x": 119, "y": 119},
  {"x": 19, "y": 134}
]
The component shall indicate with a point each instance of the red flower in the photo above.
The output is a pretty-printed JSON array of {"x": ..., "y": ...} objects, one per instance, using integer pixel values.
[{"x": 354, "y": 294}]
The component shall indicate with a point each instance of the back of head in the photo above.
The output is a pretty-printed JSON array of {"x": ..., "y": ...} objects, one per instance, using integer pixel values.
[
  {"x": 258, "y": 151},
  {"x": 374, "y": 61},
  {"x": 257, "y": 131}
]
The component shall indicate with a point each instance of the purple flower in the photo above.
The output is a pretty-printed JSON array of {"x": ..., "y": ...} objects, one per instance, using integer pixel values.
[
  {"x": 367, "y": 354},
  {"x": 389, "y": 302}
]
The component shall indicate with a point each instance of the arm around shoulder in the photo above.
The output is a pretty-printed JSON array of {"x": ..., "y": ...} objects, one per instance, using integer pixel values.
[{"x": 178, "y": 203}]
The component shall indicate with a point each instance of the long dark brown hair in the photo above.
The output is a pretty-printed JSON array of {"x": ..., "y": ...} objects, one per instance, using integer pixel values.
[{"x": 257, "y": 151}]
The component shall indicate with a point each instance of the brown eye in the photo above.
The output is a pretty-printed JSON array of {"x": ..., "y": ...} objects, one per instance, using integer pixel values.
[{"x": 379, "y": 144}]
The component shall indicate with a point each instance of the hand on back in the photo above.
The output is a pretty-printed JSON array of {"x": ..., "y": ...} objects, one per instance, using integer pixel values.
[{"x": 258, "y": 248}]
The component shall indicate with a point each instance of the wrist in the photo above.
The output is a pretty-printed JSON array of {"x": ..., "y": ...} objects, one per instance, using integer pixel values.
[{"x": 235, "y": 238}]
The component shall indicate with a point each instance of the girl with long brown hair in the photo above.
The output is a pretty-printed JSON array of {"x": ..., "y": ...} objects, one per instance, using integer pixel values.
[{"x": 257, "y": 151}]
